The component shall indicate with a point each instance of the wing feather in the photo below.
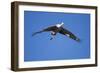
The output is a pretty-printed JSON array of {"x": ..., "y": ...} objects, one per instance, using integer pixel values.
[{"x": 37, "y": 33}]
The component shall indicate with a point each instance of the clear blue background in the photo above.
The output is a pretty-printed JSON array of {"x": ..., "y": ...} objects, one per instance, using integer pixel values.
[{"x": 40, "y": 47}]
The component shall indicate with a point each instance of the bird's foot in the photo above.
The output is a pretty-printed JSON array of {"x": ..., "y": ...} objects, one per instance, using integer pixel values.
[{"x": 51, "y": 38}]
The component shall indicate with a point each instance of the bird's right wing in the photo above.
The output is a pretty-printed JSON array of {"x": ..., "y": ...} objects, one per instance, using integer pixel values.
[
  {"x": 68, "y": 33},
  {"x": 45, "y": 30}
]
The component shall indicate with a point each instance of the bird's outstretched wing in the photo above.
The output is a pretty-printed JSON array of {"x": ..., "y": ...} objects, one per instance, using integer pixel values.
[
  {"x": 37, "y": 33},
  {"x": 45, "y": 30},
  {"x": 68, "y": 33}
]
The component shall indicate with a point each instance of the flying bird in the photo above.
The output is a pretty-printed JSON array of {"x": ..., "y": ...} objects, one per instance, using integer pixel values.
[{"x": 58, "y": 28}]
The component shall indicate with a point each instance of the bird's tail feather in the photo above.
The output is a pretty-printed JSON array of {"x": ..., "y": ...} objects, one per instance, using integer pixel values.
[{"x": 36, "y": 33}]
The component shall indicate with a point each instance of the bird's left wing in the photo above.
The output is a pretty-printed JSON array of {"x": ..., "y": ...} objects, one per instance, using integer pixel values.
[
  {"x": 68, "y": 33},
  {"x": 51, "y": 28},
  {"x": 37, "y": 33}
]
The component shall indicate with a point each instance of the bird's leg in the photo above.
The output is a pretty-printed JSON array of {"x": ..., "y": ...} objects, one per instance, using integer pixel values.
[
  {"x": 52, "y": 37},
  {"x": 53, "y": 34}
]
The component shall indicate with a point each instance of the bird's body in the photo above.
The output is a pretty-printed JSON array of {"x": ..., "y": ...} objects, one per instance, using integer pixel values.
[{"x": 58, "y": 29}]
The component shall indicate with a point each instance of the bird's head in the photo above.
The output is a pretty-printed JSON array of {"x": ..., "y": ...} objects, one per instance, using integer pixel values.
[{"x": 59, "y": 25}]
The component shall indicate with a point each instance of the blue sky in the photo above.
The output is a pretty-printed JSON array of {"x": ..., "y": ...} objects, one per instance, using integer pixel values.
[{"x": 41, "y": 48}]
